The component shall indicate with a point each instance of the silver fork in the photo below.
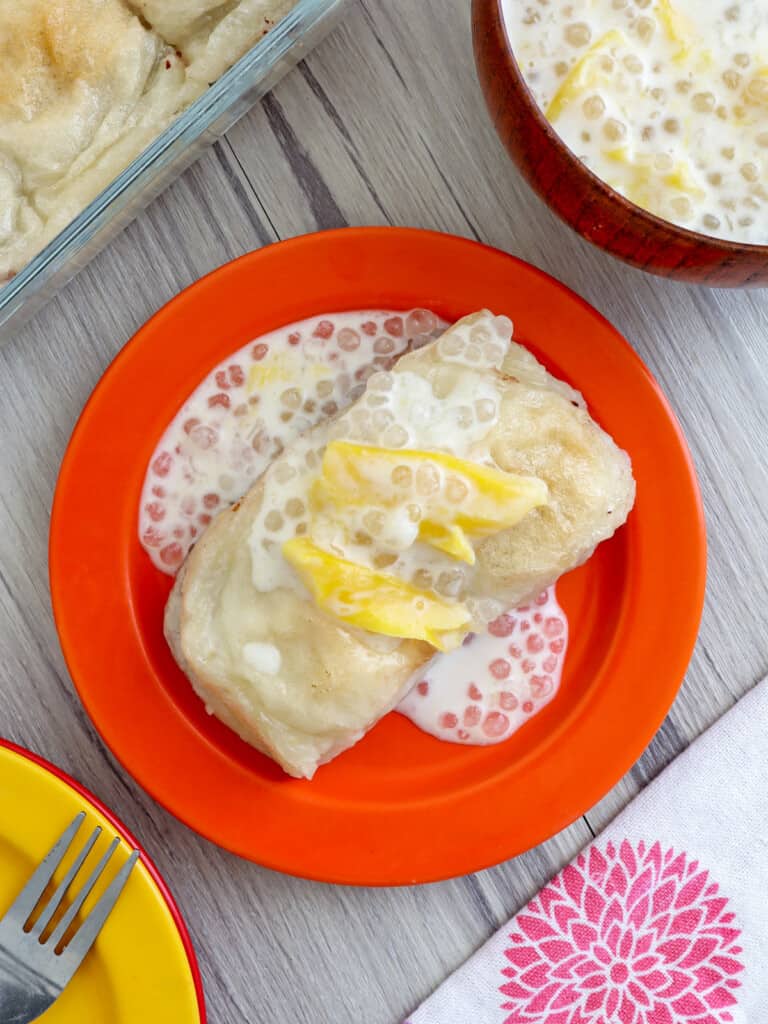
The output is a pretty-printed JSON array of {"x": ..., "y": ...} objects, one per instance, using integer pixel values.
[{"x": 33, "y": 974}]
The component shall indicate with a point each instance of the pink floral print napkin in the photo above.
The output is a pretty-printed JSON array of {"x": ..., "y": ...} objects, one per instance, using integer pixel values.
[{"x": 663, "y": 919}]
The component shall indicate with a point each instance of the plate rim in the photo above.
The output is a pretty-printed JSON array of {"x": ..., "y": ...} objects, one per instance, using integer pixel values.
[
  {"x": 397, "y": 874},
  {"x": 128, "y": 837}
]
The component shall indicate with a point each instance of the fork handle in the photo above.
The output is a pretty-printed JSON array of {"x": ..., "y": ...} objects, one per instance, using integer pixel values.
[{"x": 24, "y": 994}]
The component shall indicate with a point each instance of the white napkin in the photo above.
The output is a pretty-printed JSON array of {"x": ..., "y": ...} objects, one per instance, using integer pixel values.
[{"x": 663, "y": 919}]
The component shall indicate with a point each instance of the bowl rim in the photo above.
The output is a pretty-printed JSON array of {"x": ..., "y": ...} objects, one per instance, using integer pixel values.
[{"x": 729, "y": 247}]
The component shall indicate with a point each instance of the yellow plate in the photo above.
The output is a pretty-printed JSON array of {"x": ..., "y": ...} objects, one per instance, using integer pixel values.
[{"x": 142, "y": 967}]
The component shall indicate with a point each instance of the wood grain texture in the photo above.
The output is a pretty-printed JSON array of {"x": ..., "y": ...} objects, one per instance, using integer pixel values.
[
  {"x": 583, "y": 200},
  {"x": 385, "y": 123}
]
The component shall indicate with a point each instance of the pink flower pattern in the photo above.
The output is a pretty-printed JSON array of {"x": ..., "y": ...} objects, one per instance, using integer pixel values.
[{"x": 629, "y": 935}]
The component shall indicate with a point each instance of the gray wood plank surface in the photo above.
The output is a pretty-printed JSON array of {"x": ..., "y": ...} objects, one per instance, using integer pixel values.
[{"x": 384, "y": 123}]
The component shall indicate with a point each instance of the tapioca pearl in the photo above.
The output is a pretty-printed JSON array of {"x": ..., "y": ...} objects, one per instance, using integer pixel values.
[
  {"x": 301, "y": 529},
  {"x": 156, "y": 511},
  {"x": 324, "y": 330},
  {"x": 474, "y": 692},
  {"x": 538, "y": 617},
  {"x": 219, "y": 400},
  {"x": 503, "y": 324},
  {"x": 468, "y": 639},
  {"x": 485, "y": 410},
  {"x": 527, "y": 665},
  {"x": 161, "y": 466},
  {"x": 524, "y": 608},
  {"x": 451, "y": 345},
  {"x": 502, "y": 626},
  {"x": 380, "y": 382},
  {"x": 422, "y": 579},
  {"x": 211, "y": 500},
  {"x": 258, "y": 352},
  {"x": 260, "y": 442},
  {"x": 348, "y": 340},
  {"x": 456, "y": 490},
  {"x": 159, "y": 492},
  {"x": 254, "y": 399},
  {"x": 541, "y": 686},
  {"x": 384, "y": 560},
  {"x": 553, "y": 626},
  {"x": 472, "y": 715},
  {"x": 203, "y": 437},
  {"x": 550, "y": 663},
  {"x": 153, "y": 537},
  {"x": 329, "y": 408},
  {"x": 451, "y": 583},
  {"x": 495, "y": 724},
  {"x": 373, "y": 521},
  {"x": 310, "y": 405},
  {"x": 190, "y": 424},
  {"x": 291, "y": 398},
  {"x": 204, "y": 519},
  {"x": 499, "y": 668},
  {"x": 487, "y": 610},
  {"x": 188, "y": 505},
  {"x": 369, "y": 328},
  {"x": 402, "y": 476},
  {"x": 226, "y": 482},
  {"x": 193, "y": 531},
  {"x": 294, "y": 508},
  {"x": 534, "y": 643},
  {"x": 480, "y": 334},
  {"x": 420, "y": 321},
  {"x": 394, "y": 437},
  {"x": 172, "y": 555},
  {"x": 427, "y": 479},
  {"x": 527, "y": 706},
  {"x": 310, "y": 458},
  {"x": 515, "y": 651},
  {"x": 394, "y": 326},
  {"x": 525, "y": 626},
  {"x": 448, "y": 720},
  {"x": 464, "y": 417},
  {"x": 374, "y": 401},
  {"x": 324, "y": 388},
  {"x": 507, "y": 701},
  {"x": 414, "y": 512},
  {"x": 274, "y": 520},
  {"x": 557, "y": 646},
  {"x": 463, "y": 735},
  {"x": 542, "y": 598},
  {"x": 422, "y": 688}
]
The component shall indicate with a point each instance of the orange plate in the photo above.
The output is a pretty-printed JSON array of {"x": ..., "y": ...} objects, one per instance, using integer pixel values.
[{"x": 401, "y": 807}]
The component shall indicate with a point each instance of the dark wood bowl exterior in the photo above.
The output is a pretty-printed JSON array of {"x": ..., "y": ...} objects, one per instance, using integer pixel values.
[{"x": 583, "y": 200}]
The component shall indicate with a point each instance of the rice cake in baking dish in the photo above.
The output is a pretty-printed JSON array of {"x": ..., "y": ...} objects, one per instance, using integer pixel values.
[
  {"x": 87, "y": 85},
  {"x": 210, "y": 34}
]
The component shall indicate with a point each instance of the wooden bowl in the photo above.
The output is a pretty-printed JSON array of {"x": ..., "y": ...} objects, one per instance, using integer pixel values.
[{"x": 583, "y": 200}]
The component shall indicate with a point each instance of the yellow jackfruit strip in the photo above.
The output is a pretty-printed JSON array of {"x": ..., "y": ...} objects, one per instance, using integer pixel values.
[{"x": 376, "y": 601}]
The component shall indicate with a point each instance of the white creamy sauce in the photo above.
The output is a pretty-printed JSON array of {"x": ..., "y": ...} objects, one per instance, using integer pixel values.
[
  {"x": 452, "y": 413},
  {"x": 665, "y": 100},
  {"x": 264, "y": 658},
  {"x": 269, "y": 393},
  {"x": 485, "y": 690},
  {"x": 253, "y": 404}
]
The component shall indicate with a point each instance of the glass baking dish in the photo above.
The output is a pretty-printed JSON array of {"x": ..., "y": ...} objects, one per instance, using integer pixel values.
[{"x": 173, "y": 150}]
